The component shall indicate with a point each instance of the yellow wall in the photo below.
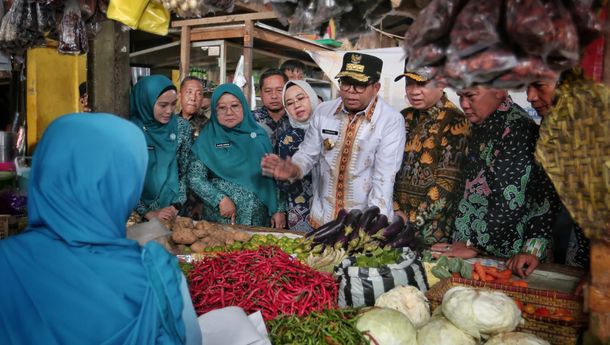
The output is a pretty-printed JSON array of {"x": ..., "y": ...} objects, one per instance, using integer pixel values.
[{"x": 52, "y": 88}]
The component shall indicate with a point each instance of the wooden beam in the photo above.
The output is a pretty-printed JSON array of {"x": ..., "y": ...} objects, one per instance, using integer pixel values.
[
  {"x": 253, "y": 6},
  {"x": 225, "y": 19},
  {"x": 285, "y": 41},
  {"x": 185, "y": 51},
  {"x": 248, "y": 54},
  {"x": 216, "y": 34}
]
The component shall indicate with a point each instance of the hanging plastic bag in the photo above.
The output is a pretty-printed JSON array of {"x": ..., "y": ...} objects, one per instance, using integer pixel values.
[
  {"x": 529, "y": 27},
  {"x": 155, "y": 19},
  {"x": 127, "y": 12},
  {"x": 475, "y": 28}
]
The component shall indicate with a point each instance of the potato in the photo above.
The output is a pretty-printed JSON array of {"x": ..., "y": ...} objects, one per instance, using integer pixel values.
[
  {"x": 198, "y": 247},
  {"x": 184, "y": 236},
  {"x": 200, "y": 233},
  {"x": 242, "y": 236},
  {"x": 166, "y": 223},
  {"x": 184, "y": 222}
]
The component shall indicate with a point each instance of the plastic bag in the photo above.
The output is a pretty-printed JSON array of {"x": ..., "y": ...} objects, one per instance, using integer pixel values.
[
  {"x": 564, "y": 54},
  {"x": 428, "y": 55},
  {"x": 527, "y": 70},
  {"x": 361, "y": 286},
  {"x": 475, "y": 27},
  {"x": 72, "y": 36},
  {"x": 155, "y": 19},
  {"x": 529, "y": 27},
  {"x": 127, "y": 12},
  {"x": 433, "y": 22},
  {"x": 150, "y": 231},
  {"x": 587, "y": 23},
  {"x": 480, "y": 68}
]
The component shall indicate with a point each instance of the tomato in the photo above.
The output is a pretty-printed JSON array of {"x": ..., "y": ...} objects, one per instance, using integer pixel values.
[
  {"x": 529, "y": 309},
  {"x": 519, "y": 304},
  {"x": 542, "y": 312},
  {"x": 562, "y": 312}
]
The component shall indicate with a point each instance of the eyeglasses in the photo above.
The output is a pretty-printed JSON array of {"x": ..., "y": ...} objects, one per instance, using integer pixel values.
[
  {"x": 223, "y": 110},
  {"x": 301, "y": 99},
  {"x": 358, "y": 87}
]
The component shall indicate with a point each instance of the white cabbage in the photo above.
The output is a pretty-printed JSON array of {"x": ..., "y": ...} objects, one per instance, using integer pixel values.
[
  {"x": 387, "y": 327},
  {"x": 516, "y": 338},
  {"x": 440, "y": 331},
  {"x": 478, "y": 312},
  {"x": 409, "y": 301}
]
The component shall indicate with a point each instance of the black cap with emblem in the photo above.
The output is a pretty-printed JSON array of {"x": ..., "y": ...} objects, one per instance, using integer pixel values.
[
  {"x": 420, "y": 75},
  {"x": 360, "y": 67}
]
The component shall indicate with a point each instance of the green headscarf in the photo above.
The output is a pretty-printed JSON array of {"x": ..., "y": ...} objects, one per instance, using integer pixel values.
[
  {"x": 234, "y": 154},
  {"x": 162, "y": 181}
]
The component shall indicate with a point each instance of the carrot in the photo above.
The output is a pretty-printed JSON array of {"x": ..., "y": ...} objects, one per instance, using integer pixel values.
[
  {"x": 456, "y": 275},
  {"x": 490, "y": 269},
  {"x": 475, "y": 276},
  {"x": 480, "y": 271},
  {"x": 502, "y": 281},
  {"x": 505, "y": 274},
  {"x": 520, "y": 283}
]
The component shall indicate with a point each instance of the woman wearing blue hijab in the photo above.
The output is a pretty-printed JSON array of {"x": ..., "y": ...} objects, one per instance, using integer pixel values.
[
  {"x": 72, "y": 277},
  {"x": 153, "y": 102},
  {"x": 225, "y": 167}
]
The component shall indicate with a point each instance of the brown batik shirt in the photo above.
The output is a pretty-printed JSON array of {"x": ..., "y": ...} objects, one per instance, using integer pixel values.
[{"x": 429, "y": 178}]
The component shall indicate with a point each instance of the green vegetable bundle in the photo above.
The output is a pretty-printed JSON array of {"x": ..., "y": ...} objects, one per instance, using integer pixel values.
[{"x": 328, "y": 326}]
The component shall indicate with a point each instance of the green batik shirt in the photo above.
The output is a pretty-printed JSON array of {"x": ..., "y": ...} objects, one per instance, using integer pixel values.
[
  {"x": 211, "y": 189},
  {"x": 427, "y": 184},
  {"x": 507, "y": 205}
]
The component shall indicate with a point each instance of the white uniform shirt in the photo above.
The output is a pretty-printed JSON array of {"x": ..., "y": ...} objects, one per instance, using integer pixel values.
[{"x": 355, "y": 161}]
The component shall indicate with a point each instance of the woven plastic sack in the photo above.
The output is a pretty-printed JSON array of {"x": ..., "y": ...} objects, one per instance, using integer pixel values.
[
  {"x": 155, "y": 19},
  {"x": 360, "y": 286},
  {"x": 127, "y": 12}
]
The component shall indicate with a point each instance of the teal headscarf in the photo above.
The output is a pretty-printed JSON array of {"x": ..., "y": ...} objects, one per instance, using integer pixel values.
[
  {"x": 162, "y": 182},
  {"x": 234, "y": 154},
  {"x": 73, "y": 277}
]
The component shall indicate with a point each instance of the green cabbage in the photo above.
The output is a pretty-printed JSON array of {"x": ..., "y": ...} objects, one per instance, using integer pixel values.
[
  {"x": 409, "y": 301},
  {"x": 440, "y": 331},
  {"x": 387, "y": 327},
  {"x": 516, "y": 338}
]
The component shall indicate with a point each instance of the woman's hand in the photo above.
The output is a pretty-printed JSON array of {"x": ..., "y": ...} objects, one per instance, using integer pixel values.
[
  {"x": 167, "y": 213},
  {"x": 518, "y": 263},
  {"x": 457, "y": 249},
  {"x": 278, "y": 220},
  {"x": 227, "y": 208}
]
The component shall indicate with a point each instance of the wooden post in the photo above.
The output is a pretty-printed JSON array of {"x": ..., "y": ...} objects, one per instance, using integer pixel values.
[
  {"x": 108, "y": 70},
  {"x": 248, "y": 45},
  {"x": 599, "y": 290},
  {"x": 185, "y": 51}
]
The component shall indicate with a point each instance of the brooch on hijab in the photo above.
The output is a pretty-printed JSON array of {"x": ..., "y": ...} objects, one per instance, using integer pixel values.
[
  {"x": 328, "y": 144},
  {"x": 253, "y": 135},
  {"x": 172, "y": 136}
]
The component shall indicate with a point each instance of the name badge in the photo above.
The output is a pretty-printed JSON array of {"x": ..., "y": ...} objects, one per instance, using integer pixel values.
[
  {"x": 331, "y": 132},
  {"x": 150, "y": 147},
  {"x": 223, "y": 145}
]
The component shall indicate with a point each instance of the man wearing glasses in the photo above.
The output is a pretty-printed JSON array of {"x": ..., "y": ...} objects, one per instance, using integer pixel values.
[{"x": 354, "y": 144}]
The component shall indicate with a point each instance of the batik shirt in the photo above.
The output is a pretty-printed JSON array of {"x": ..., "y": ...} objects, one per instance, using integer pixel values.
[
  {"x": 298, "y": 193},
  {"x": 356, "y": 157},
  {"x": 274, "y": 129},
  {"x": 507, "y": 206},
  {"x": 430, "y": 175}
]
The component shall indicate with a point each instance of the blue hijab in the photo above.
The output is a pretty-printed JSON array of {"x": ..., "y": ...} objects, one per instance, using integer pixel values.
[
  {"x": 234, "y": 154},
  {"x": 72, "y": 277},
  {"x": 162, "y": 181}
]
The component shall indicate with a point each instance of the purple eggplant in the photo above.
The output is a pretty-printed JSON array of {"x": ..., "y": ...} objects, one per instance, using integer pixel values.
[
  {"x": 380, "y": 222},
  {"x": 368, "y": 216},
  {"x": 351, "y": 221},
  {"x": 404, "y": 239},
  {"x": 330, "y": 233},
  {"x": 389, "y": 233},
  {"x": 340, "y": 218}
]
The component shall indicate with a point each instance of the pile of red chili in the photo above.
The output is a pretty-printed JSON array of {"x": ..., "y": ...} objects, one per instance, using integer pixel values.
[{"x": 266, "y": 279}]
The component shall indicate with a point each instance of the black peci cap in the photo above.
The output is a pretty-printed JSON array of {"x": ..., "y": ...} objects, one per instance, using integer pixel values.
[{"x": 360, "y": 67}]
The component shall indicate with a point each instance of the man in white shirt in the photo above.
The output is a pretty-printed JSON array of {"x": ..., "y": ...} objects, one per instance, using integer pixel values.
[{"x": 354, "y": 144}]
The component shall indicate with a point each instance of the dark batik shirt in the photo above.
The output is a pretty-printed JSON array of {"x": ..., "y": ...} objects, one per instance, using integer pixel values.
[
  {"x": 274, "y": 129},
  {"x": 508, "y": 205},
  {"x": 430, "y": 175},
  {"x": 300, "y": 192}
]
